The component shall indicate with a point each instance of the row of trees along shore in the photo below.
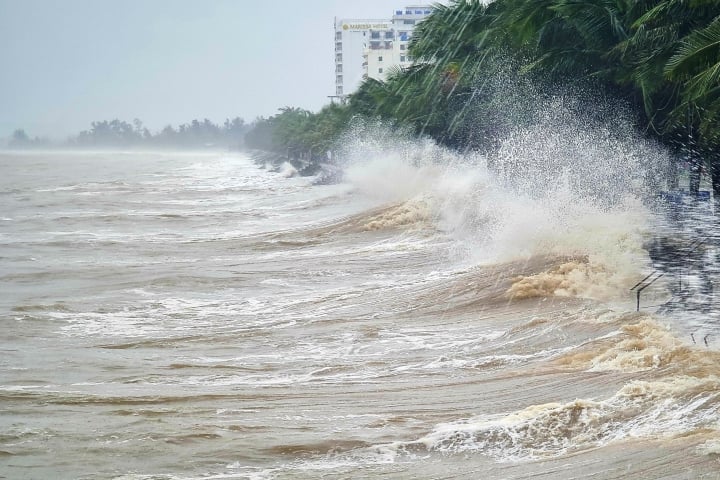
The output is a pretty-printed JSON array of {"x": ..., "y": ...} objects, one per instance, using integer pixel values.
[
  {"x": 659, "y": 59},
  {"x": 118, "y": 133}
]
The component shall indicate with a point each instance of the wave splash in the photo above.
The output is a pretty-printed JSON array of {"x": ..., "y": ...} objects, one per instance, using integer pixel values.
[
  {"x": 678, "y": 396},
  {"x": 640, "y": 409},
  {"x": 557, "y": 187},
  {"x": 579, "y": 193}
]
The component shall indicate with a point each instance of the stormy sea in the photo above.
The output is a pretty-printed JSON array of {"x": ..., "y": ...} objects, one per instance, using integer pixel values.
[{"x": 432, "y": 314}]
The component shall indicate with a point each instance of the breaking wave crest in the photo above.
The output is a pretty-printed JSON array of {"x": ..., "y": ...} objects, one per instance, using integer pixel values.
[
  {"x": 498, "y": 208},
  {"x": 640, "y": 409},
  {"x": 412, "y": 214},
  {"x": 573, "y": 279},
  {"x": 681, "y": 398},
  {"x": 641, "y": 344}
]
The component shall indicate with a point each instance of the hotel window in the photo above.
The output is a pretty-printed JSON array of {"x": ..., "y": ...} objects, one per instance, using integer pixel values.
[
  {"x": 398, "y": 12},
  {"x": 418, "y": 12},
  {"x": 338, "y": 57},
  {"x": 380, "y": 59},
  {"x": 379, "y": 70},
  {"x": 408, "y": 12},
  {"x": 402, "y": 58},
  {"x": 338, "y": 68},
  {"x": 409, "y": 22},
  {"x": 338, "y": 35},
  {"x": 338, "y": 91},
  {"x": 338, "y": 79},
  {"x": 402, "y": 46}
]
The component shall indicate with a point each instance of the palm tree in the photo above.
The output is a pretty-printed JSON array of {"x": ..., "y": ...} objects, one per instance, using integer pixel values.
[{"x": 696, "y": 64}]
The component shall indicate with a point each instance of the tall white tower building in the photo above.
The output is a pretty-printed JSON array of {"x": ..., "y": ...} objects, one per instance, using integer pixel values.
[
  {"x": 371, "y": 47},
  {"x": 351, "y": 41}
]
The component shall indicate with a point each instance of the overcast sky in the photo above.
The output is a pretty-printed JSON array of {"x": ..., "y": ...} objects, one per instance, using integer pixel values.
[{"x": 66, "y": 63}]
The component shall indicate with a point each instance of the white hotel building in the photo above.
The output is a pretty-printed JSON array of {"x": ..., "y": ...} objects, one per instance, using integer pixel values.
[{"x": 370, "y": 47}]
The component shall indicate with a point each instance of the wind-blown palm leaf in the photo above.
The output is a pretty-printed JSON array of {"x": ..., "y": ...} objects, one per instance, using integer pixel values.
[
  {"x": 698, "y": 58},
  {"x": 696, "y": 65}
]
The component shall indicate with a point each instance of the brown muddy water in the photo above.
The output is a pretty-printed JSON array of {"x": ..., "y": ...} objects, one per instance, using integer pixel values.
[{"x": 196, "y": 316}]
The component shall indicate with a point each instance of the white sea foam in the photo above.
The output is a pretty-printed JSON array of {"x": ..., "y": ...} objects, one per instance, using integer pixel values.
[
  {"x": 503, "y": 212},
  {"x": 710, "y": 447},
  {"x": 287, "y": 170},
  {"x": 641, "y": 409}
]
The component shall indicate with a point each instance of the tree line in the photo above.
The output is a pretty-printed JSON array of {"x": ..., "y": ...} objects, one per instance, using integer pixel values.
[
  {"x": 659, "y": 58},
  {"x": 117, "y": 133},
  {"x": 300, "y": 134}
]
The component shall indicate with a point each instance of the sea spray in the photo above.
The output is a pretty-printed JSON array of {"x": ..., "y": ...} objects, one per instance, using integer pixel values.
[{"x": 565, "y": 183}]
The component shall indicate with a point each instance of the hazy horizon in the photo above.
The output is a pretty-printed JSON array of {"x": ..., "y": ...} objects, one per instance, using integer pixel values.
[{"x": 165, "y": 62}]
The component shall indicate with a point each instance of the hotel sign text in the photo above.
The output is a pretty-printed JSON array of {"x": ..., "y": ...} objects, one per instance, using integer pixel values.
[{"x": 366, "y": 26}]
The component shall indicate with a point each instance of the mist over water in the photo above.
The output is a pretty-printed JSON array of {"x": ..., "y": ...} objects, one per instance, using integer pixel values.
[{"x": 434, "y": 315}]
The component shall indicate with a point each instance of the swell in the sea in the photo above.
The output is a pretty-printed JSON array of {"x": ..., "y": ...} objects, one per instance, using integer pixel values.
[
  {"x": 438, "y": 315},
  {"x": 544, "y": 242}
]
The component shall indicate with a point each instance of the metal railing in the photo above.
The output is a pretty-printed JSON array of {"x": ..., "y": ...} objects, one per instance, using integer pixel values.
[
  {"x": 644, "y": 283},
  {"x": 681, "y": 272}
]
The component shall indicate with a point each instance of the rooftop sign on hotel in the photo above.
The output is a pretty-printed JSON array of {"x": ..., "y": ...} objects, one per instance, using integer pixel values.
[{"x": 365, "y": 26}]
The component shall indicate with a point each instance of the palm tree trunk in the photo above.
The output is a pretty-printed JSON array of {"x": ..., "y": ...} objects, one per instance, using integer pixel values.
[
  {"x": 714, "y": 167},
  {"x": 695, "y": 170}
]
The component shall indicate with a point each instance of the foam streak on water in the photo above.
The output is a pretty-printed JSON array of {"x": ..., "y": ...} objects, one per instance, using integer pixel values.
[{"x": 178, "y": 316}]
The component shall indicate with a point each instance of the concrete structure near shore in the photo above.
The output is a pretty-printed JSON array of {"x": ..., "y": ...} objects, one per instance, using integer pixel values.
[{"x": 371, "y": 48}]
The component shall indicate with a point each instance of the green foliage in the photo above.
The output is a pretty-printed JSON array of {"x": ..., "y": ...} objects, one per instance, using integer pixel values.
[
  {"x": 296, "y": 132},
  {"x": 660, "y": 57},
  {"x": 196, "y": 134},
  {"x": 696, "y": 66},
  {"x": 22, "y": 140},
  {"x": 19, "y": 139}
]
